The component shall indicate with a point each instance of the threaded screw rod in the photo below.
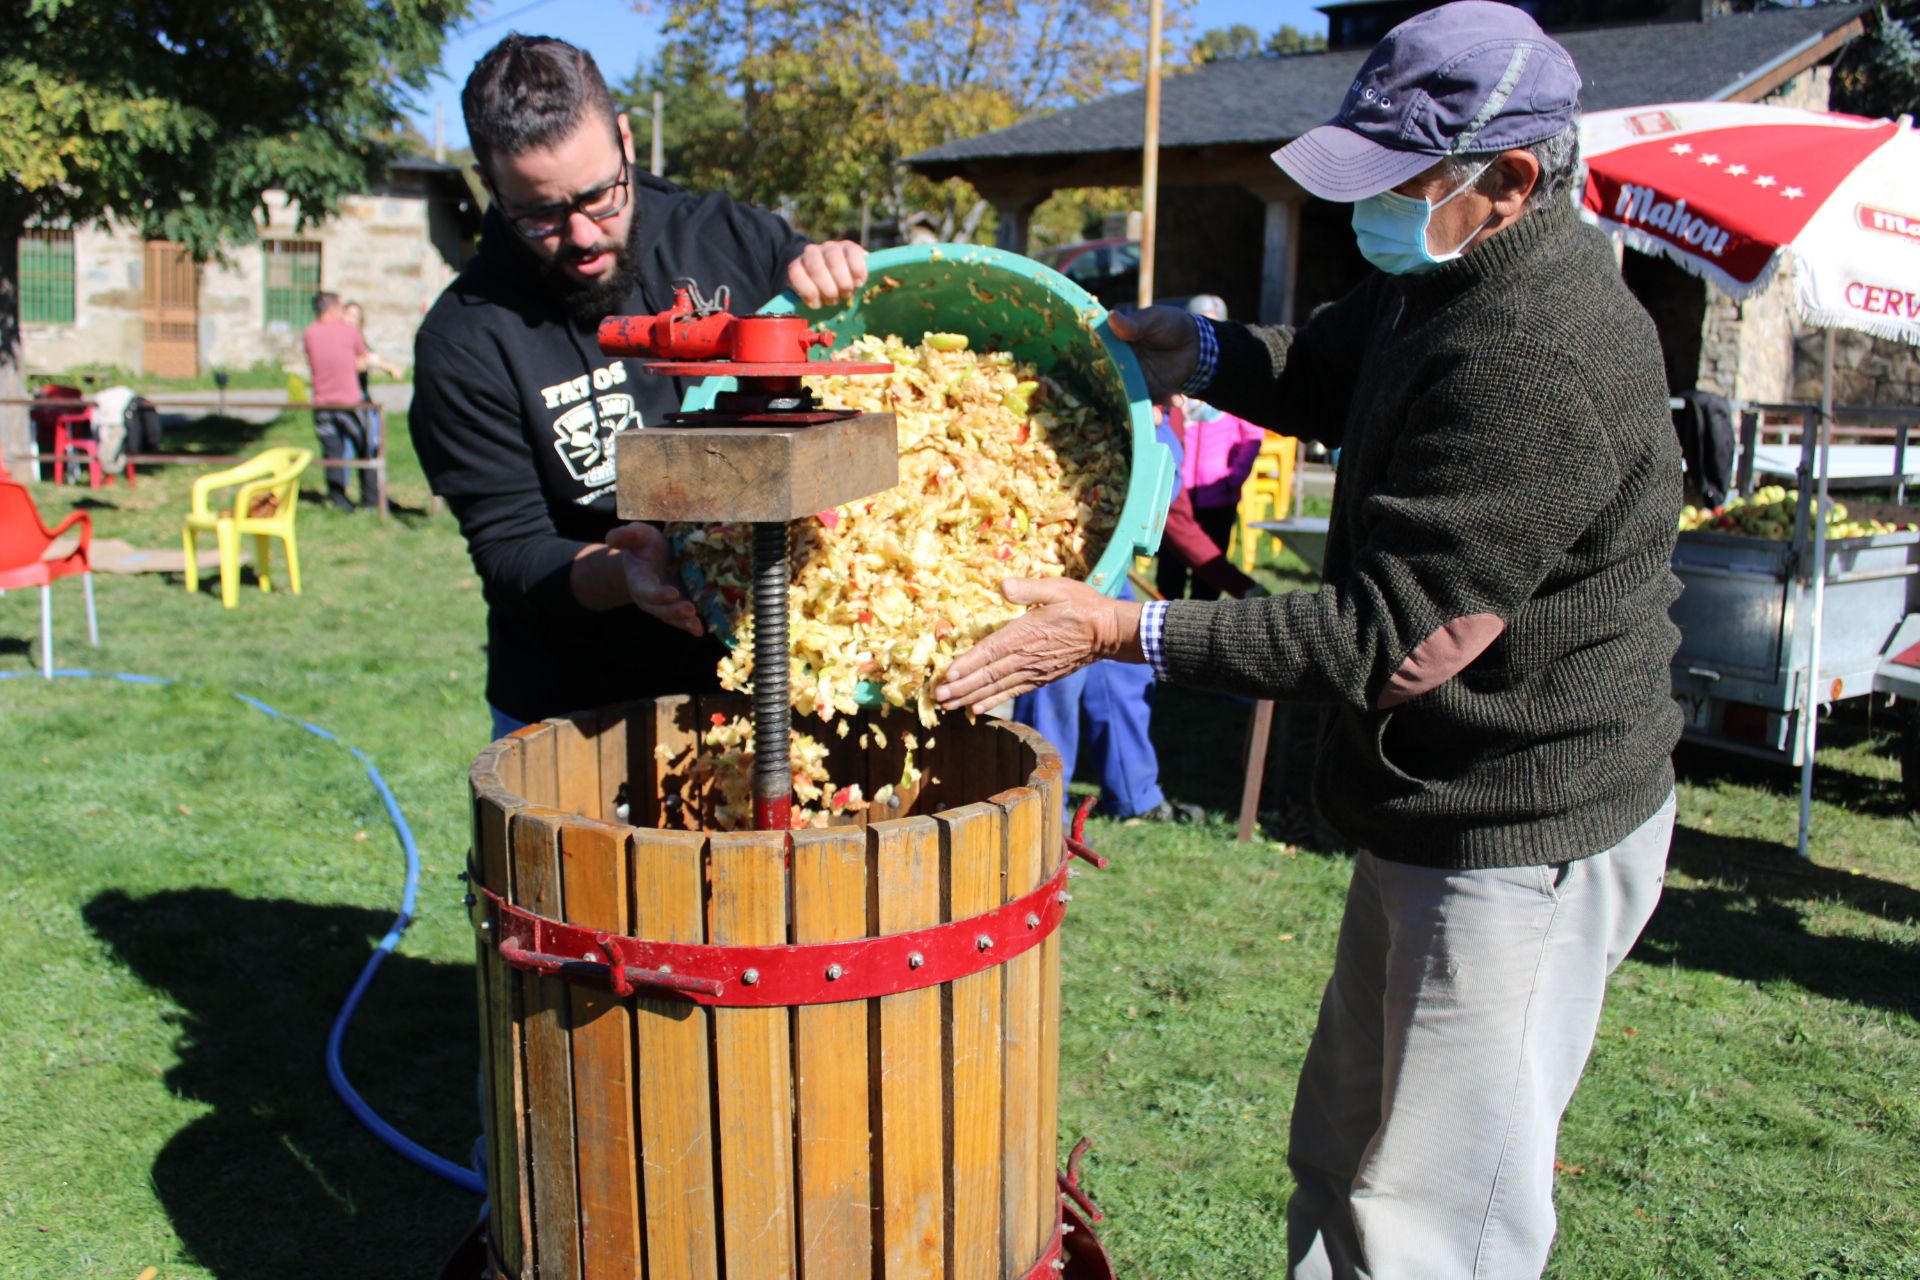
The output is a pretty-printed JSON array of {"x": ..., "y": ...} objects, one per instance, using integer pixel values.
[{"x": 772, "y": 702}]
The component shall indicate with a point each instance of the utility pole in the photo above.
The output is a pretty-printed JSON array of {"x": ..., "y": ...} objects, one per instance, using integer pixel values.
[
  {"x": 1150, "y": 160},
  {"x": 659, "y": 144}
]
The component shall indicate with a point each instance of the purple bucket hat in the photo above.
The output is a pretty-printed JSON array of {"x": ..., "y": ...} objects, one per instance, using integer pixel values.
[{"x": 1468, "y": 77}]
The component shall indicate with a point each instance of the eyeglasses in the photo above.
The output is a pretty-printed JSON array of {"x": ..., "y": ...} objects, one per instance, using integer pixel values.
[{"x": 599, "y": 204}]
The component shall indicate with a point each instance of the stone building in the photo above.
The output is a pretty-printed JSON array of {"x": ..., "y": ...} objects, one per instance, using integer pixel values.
[
  {"x": 1231, "y": 223},
  {"x": 104, "y": 295}
]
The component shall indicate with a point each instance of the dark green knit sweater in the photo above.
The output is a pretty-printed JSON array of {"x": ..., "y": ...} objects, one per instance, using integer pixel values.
[{"x": 1492, "y": 631}]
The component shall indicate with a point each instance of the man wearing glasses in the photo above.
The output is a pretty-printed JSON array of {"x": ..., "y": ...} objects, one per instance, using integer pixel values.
[{"x": 515, "y": 407}]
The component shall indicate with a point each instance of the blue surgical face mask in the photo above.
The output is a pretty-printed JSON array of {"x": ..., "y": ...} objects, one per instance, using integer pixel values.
[{"x": 1392, "y": 229}]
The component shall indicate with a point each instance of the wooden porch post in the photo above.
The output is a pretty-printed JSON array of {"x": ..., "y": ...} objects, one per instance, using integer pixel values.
[
  {"x": 1279, "y": 260},
  {"x": 1015, "y": 223}
]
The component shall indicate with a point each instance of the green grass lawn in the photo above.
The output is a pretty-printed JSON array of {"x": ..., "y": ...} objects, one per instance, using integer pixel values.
[{"x": 187, "y": 889}]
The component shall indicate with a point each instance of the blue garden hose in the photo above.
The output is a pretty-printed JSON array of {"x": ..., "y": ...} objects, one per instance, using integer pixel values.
[{"x": 439, "y": 1166}]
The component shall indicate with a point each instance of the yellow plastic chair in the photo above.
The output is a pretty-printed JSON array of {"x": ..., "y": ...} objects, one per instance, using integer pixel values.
[
  {"x": 1266, "y": 495},
  {"x": 266, "y": 493}
]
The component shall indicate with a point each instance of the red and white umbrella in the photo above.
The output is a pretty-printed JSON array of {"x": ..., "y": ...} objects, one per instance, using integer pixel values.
[{"x": 1734, "y": 191}]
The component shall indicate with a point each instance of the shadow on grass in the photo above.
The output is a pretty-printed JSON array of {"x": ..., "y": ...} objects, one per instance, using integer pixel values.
[
  {"x": 211, "y": 433},
  {"x": 1749, "y": 921},
  {"x": 1201, "y": 739},
  {"x": 277, "y": 1179},
  {"x": 1850, "y": 726}
]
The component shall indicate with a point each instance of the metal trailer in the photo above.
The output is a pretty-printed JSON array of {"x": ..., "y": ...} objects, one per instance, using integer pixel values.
[{"x": 1764, "y": 637}]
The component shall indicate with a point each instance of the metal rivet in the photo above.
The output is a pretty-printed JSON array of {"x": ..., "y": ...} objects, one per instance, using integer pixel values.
[
  {"x": 915, "y": 960},
  {"x": 750, "y": 977},
  {"x": 833, "y": 972},
  {"x": 486, "y": 926},
  {"x": 665, "y": 968},
  {"x": 1073, "y": 873},
  {"x": 1033, "y": 921},
  {"x": 983, "y": 942},
  {"x": 1063, "y": 896},
  {"x": 468, "y": 901}
]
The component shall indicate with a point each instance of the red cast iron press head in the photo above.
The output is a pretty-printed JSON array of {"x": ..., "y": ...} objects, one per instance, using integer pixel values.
[{"x": 699, "y": 337}]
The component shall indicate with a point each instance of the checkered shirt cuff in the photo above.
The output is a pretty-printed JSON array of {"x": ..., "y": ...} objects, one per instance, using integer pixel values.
[
  {"x": 1209, "y": 362},
  {"x": 1153, "y": 630}
]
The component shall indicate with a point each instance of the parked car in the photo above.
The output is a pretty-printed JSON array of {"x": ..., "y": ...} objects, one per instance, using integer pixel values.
[{"x": 1107, "y": 269}]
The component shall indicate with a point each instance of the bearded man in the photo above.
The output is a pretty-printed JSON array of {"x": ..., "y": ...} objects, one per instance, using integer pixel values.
[{"x": 515, "y": 408}]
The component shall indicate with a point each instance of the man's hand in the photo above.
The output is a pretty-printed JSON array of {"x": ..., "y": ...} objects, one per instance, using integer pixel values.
[
  {"x": 650, "y": 576},
  {"x": 827, "y": 273},
  {"x": 1166, "y": 340},
  {"x": 1073, "y": 626}
]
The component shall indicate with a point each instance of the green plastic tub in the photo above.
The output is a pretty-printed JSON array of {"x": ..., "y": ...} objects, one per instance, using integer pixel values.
[{"x": 1004, "y": 302}]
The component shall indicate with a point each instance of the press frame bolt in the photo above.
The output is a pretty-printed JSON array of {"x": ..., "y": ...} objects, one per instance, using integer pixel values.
[
  {"x": 1033, "y": 921},
  {"x": 915, "y": 960},
  {"x": 750, "y": 977},
  {"x": 983, "y": 942},
  {"x": 834, "y": 973}
]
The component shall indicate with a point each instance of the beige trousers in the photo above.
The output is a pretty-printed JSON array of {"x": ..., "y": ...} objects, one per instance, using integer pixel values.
[{"x": 1459, "y": 1017}]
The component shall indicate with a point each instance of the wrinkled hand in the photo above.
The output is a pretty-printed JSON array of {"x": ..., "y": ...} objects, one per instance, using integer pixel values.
[
  {"x": 1073, "y": 626},
  {"x": 651, "y": 576},
  {"x": 827, "y": 273},
  {"x": 1166, "y": 341}
]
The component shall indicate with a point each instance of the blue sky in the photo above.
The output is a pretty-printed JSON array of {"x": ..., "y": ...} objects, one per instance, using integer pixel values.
[{"x": 621, "y": 39}]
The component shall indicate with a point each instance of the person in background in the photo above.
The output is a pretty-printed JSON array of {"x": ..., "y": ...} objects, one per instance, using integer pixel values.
[
  {"x": 335, "y": 351},
  {"x": 372, "y": 416},
  {"x": 1110, "y": 704},
  {"x": 1219, "y": 452}
]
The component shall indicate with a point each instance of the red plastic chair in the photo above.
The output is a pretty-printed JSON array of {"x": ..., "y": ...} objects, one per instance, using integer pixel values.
[
  {"x": 24, "y": 540},
  {"x": 73, "y": 436}
]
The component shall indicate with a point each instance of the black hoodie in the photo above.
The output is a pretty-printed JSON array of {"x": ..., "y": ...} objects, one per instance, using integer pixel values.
[{"x": 514, "y": 411}]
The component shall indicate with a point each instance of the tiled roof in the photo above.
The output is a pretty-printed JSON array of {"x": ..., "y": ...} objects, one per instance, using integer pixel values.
[{"x": 1266, "y": 101}]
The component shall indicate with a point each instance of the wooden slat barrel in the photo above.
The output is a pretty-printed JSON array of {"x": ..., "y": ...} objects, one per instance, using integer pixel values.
[{"x": 897, "y": 1136}]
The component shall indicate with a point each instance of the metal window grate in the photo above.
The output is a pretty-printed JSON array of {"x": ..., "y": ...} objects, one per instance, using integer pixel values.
[
  {"x": 46, "y": 276},
  {"x": 292, "y": 278}
]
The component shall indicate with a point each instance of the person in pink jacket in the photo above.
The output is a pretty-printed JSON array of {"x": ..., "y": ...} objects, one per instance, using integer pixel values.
[{"x": 1219, "y": 453}]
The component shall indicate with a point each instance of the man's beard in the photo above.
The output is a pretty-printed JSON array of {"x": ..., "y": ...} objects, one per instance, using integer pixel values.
[{"x": 591, "y": 301}]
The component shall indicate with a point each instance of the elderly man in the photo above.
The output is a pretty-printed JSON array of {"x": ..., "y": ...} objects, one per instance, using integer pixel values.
[
  {"x": 515, "y": 408},
  {"x": 1491, "y": 635}
]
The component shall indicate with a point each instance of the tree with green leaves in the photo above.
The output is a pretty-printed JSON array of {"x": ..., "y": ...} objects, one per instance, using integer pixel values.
[
  {"x": 1290, "y": 40},
  {"x": 1227, "y": 44},
  {"x": 177, "y": 116},
  {"x": 1240, "y": 42},
  {"x": 810, "y": 107},
  {"x": 1879, "y": 74}
]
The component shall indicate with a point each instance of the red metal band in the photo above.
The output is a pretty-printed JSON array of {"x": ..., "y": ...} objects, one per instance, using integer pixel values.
[
  {"x": 778, "y": 976},
  {"x": 1047, "y": 1266}
]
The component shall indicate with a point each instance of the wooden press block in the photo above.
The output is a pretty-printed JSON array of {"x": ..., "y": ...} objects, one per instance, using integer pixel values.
[{"x": 753, "y": 473}]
